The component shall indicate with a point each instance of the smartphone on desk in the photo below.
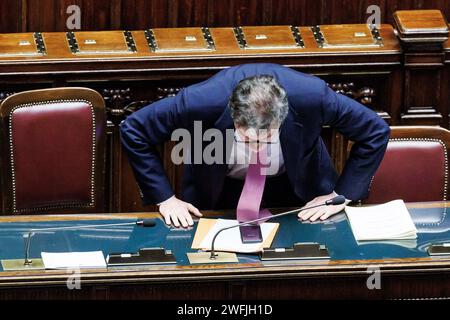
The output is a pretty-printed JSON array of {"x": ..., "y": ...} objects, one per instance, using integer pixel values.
[{"x": 251, "y": 234}]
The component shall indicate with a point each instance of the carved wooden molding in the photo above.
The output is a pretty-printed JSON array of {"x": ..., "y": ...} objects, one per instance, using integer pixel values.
[
  {"x": 115, "y": 102},
  {"x": 166, "y": 92}
]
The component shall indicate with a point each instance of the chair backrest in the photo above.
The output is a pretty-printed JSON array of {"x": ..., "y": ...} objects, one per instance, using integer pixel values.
[
  {"x": 52, "y": 151},
  {"x": 415, "y": 166}
]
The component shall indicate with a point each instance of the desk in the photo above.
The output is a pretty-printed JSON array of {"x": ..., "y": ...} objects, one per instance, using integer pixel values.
[{"x": 406, "y": 270}]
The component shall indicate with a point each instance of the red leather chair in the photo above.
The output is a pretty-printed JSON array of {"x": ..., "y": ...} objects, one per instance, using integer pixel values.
[
  {"x": 52, "y": 151},
  {"x": 415, "y": 166}
]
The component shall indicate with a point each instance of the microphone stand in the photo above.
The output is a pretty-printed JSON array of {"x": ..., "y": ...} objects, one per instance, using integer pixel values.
[{"x": 335, "y": 201}]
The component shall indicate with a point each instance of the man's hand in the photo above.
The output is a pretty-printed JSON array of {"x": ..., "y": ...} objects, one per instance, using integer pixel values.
[
  {"x": 178, "y": 212},
  {"x": 322, "y": 212}
]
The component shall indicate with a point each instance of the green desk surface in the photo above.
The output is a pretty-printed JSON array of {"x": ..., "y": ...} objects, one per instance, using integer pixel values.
[{"x": 432, "y": 221}]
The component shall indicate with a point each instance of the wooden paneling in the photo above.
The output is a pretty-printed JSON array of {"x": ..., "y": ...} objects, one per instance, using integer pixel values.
[
  {"x": 43, "y": 15},
  {"x": 422, "y": 33},
  {"x": 50, "y": 15},
  {"x": 11, "y": 15}
]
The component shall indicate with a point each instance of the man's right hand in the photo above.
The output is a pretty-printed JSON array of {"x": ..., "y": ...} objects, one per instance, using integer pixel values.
[{"x": 178, "y": 212}]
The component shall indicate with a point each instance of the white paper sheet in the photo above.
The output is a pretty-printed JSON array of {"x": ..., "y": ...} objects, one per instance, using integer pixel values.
[
  {"x": 230, "y": 240},
  {"x": 73, "y": 260},
  {"x": 389, "y": 221}
]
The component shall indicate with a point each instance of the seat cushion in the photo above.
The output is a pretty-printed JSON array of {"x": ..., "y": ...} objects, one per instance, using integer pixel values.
[
  {"x": 52, "y": 146},
  {"x": 412, "y": 171}
]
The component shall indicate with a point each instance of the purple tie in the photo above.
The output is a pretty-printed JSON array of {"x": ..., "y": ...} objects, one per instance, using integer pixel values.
[{"x": 249, "y": 203}]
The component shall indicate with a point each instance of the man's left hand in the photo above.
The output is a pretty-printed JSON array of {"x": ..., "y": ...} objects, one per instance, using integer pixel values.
[{"x": 322, "y": 212}]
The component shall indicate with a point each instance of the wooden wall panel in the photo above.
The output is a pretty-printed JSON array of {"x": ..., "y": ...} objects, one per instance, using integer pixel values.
[
  {"x": 189, "y": 13},
  {"x": 140, "y": 19},
  {"x": 216, "y": 13},
  {"x": 50, "y": 15},
  {"x": 11, "y": 15},
  {"x": 42, "y": 16},
  {"x": 99, "y": 14},
  {"x": 348, "y": 11}
]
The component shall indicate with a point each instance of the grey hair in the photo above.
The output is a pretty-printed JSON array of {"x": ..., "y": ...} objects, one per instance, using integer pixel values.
[{"x": 258, "y": 102}]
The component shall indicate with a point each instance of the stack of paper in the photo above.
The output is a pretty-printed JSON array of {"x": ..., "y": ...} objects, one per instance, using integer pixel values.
[
  {"x": 389, "y": 221},
  {"x": 230, "y": 240}
]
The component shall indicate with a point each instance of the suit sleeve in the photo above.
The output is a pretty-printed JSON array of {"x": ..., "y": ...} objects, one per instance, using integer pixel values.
[
  {"x": 370, "y": 134},
  {"x": 141, "y": 133}
]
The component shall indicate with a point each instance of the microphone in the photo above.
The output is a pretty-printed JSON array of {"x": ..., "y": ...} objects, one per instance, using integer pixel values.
[
  {"x": 335, "y": 201},
  {"x": 146, "y": 223},
  {"x": 332, "y": 202},
  {"x": 27, "y": 262}
]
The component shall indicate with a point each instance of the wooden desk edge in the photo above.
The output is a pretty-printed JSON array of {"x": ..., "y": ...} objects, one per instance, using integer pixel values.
[{"x": 160, "y": 274}]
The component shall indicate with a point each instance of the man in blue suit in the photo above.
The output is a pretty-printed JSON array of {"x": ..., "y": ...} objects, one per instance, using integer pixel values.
[{"x": 291, "y": 107}]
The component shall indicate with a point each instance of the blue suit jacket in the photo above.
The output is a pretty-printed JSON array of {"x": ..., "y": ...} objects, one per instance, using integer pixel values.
[{"x": 312, "y": 104}]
